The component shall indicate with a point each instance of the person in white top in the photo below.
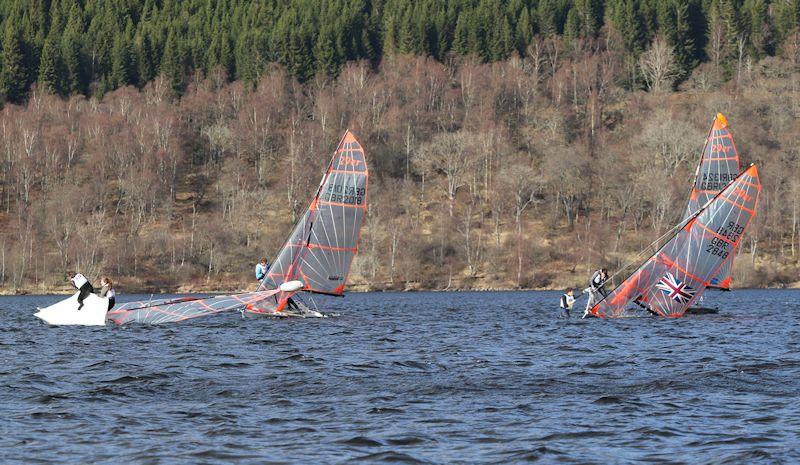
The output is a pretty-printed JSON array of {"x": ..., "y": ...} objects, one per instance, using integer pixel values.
[
  {"x": 107, "y": 290},
  {"x": 566, "y": 303},
  {"x": 83, "y": 285}
]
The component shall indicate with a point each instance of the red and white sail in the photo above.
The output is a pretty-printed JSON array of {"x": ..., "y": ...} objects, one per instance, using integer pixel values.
[
  {"x": 324, "y": 242},
  {"x": 183, "y": 308},
  {"x": 719, "y": 165},
  {"x": 680, "y": 271}
]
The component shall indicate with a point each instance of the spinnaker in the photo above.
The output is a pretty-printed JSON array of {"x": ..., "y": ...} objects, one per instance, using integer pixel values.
[{"x": 680, "y": 271}]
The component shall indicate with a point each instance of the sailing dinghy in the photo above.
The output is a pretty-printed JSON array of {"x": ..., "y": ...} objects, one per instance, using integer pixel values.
[
  {"x": 324, "y": 241},
  {"x": 673, "y": 278},
  {"x": 316, "y": 258}
]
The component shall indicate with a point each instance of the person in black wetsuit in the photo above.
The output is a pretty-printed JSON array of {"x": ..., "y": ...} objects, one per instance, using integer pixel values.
[
  {"x": 598, "y": 282},
  {"x": 83, "y": 285}
]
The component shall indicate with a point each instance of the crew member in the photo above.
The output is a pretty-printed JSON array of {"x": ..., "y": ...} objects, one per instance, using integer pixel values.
[
  {"x": 107, "y": 290},
  {"x": 261, "y": 269},
  {"x": 598, "y": 282},
  {"x": 567, "y": 301},
  {"x": 83, "y": 285}
]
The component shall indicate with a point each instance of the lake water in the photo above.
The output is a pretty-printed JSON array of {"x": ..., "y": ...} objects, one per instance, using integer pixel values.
[{"x": 489, "y": 377}]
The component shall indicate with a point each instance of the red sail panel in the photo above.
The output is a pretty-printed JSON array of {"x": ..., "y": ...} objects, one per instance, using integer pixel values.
[
  {"x": 324, "y": 242},
  {"x": 680, "y": 271},
  {"x": 719, "y": 165},
  {"x": 174, "y": 310}
]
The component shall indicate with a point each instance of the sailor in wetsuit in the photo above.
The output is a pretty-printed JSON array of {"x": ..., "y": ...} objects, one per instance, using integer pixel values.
[
  {"x": 566, "y": 303},
  {"x": 107, "y": 290},
  {"x": 83, "y": 285},
  {"x": 598, "y": 282}
]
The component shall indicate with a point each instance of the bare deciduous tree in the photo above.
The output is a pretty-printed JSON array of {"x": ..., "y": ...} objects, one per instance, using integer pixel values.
[{"x": 658, "y": 66}]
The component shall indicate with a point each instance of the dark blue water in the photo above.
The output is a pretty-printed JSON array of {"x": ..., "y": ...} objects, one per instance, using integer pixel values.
[{"x": 408, "y": 378}]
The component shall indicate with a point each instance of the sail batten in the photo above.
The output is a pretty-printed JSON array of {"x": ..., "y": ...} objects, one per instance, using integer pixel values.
[{"x": 679, "y": 272}]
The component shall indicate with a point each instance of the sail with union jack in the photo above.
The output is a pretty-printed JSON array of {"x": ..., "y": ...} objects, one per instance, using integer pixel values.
[
  {"x": 692, "y": 257},
  {"x": 673, "y": 288}
]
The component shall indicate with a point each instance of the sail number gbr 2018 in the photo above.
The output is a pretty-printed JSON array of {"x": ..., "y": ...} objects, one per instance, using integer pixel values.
[
  {"x": 348, "y": 195},
  {"x": 719, "y": 245}
]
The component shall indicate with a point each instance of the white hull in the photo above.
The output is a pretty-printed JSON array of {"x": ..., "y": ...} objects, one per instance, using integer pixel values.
[{"x": 66, "y": 311}]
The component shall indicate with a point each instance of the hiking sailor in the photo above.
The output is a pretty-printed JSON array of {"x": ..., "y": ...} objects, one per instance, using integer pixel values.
[
  {"x": 107, "y": 290},
  {"x": 598, "y": 282},
  {"x": 261, "y": 269},
  {"x": 566, "y": 303},
  {"x": 83, "y": 285}
]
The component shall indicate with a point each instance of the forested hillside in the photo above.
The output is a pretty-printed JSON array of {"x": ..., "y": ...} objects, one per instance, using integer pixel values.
[
  {"x": 94, "y": 46},
  {"x": 170, "y": 144}
]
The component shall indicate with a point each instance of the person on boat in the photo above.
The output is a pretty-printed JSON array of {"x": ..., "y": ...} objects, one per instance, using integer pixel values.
[
  {"x": 107, "y": 290},
  {"x": 598, "y": 282},
  {"x": 292, "y": 305},
  {"x": 83, "y": 286},
  {"x": 261, "y": 269},
  {"x": 566, "y": 303}
]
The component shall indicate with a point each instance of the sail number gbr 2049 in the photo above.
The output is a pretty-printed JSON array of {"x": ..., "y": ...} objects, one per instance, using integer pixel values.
[
  {"x": 728, "y": 235},
  {"x": 348, "y": 195}
]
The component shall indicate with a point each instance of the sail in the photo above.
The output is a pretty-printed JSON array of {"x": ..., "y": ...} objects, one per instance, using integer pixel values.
[
  {"x": 324, "y": 242},
  {"x": 678, "y": 273},
  {"x": 719, "y": 165},
  {"x": 153, "y": 303},
  {"x": 179, "y": 309}
]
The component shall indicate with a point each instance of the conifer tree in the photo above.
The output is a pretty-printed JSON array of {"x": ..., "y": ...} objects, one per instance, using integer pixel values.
[
  {"x": 50, "y": 71},
  {"x": 121, "y": 69},
  {"x": 548, "y": 17},
  {"x": 13, "y": 79},
  {"x": 326, "y": 53}
]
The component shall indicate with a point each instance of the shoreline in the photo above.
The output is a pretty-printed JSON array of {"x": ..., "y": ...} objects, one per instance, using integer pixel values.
[{"x": 65, "y": 290}]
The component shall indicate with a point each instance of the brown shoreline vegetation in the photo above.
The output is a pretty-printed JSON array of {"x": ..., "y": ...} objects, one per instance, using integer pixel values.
[{"x": 522, "y": 174}]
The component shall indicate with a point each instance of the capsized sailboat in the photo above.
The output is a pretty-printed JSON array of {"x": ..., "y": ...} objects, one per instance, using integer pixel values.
[
  {"x": 673, "y": 278},
  {"x": 324, "y": 241},
  {"x": 316, "y": 258}
]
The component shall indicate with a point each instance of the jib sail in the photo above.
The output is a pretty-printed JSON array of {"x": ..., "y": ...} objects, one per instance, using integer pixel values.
[
  {"x": 324, "y": 242},
  {"x": 680, "y": 271},
  {"x": 719, "y": 165}
]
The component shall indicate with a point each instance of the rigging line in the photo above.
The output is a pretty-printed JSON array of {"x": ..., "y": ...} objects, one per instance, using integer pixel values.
[{"x": 638, "y": 256}]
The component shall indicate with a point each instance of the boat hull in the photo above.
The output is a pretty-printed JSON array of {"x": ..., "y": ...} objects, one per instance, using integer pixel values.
[
  {"x": 66, "y": 312},
  {"x": 283, "y": 314}
]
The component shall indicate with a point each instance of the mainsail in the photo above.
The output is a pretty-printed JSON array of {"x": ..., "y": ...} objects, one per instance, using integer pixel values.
[
  {"x": 324, "y": 242},
  {"x": 678, "y": 273},
  {"x": 183, "y": 308},
  {"x": 719, "y": 165}
]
